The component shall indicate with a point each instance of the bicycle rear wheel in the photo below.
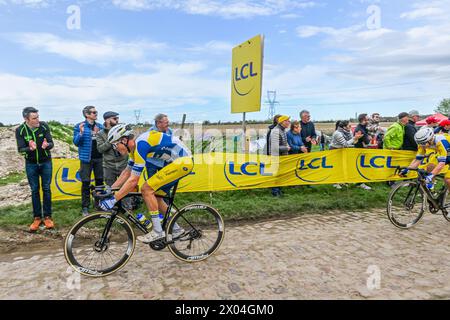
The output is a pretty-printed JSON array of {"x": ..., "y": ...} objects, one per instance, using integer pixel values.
[
  {"x": 82, "y": 245},
  {"x": 446, "y": 203},
  {"x": 406, "y": 204},
  {"x": 202, "y": 232}
]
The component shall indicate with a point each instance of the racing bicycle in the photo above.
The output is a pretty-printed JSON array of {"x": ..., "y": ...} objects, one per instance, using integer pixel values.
[
  {"x": 409, "y": 199},
  {"x": 103, "y": 242}
]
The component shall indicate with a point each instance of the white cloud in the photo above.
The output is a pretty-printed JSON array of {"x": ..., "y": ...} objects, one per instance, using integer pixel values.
[
  {"x": 28, "y": 3},
  {"x": 166, "y": 86},
  {"x": 437, "y": 9},
  {"x": 213, "y": 46},
  {"x": 226, "y": 8},
  {"x": 310, "y": 31},
  {"x": 101, "y": 51}
]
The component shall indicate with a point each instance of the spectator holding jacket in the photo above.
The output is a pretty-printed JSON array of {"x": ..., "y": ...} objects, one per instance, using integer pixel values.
[
  {"x": 34, "y": 141},
  {"x": 308, "y": 132},
  {"x": 85, "y": 138},
  {"x": 294, "y": 139}
]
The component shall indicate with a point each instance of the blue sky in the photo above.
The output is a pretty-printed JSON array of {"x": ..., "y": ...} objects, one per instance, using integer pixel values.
[{"x": 335, "y": 58}]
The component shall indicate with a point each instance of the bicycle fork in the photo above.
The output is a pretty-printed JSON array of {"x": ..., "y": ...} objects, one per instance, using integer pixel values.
[{"x": 102, "y": 243}]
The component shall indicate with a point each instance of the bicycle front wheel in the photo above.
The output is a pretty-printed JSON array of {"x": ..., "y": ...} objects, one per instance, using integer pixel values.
[
  {"x": 87, "y": 255},
  {"x": 195, "y": 232},
  {"x": 406, "y": 204}
]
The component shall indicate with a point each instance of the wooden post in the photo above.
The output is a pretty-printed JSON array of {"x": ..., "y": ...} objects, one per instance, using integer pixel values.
[
  {"x": 182, "y": 125},
  {"x": 244, "y": 134}
]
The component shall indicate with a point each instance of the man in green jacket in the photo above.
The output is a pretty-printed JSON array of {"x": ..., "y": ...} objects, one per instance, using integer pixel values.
[{"x": 393, "y": 140}]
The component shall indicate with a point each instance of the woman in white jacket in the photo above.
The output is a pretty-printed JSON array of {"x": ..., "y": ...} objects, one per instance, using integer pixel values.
[{"x": 343, "y": 138}]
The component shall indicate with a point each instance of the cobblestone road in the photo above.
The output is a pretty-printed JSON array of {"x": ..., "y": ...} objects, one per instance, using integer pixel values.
[{"x": 337, "y": 256}]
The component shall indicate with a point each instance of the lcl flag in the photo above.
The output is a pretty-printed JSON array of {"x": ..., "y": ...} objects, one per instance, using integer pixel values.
[{"x": 247, "y": 67}]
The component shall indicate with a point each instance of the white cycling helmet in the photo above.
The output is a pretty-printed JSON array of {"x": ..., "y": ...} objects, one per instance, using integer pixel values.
[
  {"x": 119, "y": 131},
  {"x": 423, "y": 136}
]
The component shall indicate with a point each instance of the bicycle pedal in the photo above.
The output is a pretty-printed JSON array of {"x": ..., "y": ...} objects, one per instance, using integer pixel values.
[{"x": 158, "y": 245}]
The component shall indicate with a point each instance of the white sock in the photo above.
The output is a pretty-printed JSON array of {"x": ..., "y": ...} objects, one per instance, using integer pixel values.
[{"x": 156, "y": 222}]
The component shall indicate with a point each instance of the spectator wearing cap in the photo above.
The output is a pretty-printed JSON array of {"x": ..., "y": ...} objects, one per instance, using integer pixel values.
[
  {"x": 432, "y": 122},
  {"x": 278, "y": 144},
  {"x": 444, "y": 127},
  {"x": 113, "y": 162},
  {"x": 410, "y": 131},
  {"x": 308, "y": 132},
  {"x": 393, "y": 140},
  {"x": 85, "y": 138}
]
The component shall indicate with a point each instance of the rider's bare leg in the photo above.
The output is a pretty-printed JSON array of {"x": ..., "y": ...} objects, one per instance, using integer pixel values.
[{"x": 152, "y": 204}]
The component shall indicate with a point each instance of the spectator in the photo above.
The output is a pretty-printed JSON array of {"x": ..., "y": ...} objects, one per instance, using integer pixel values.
[
  {"x": 271, "y": 127},
  {"x": 309, "y": 135},
  {"x": 85, "y": 138},
  {"x": 374, "y": 127},
  {"x": 162, "y": 124},
  {"x": 294, "y": 139},
  {"x": 278, "y": 144},
  {"x": 343, "y": 137},
  {"x": 393, "y": 140},
  {"x": 34, "y": 141},
  {"x": 364, "y": 140},
  {"x": 113, "y": 162},
  {"x": 444, "y": 127},
  {"x": 154, "y": 165},
  {"x": 432, "y": 122},
  {"x": 409, "y": 143}
]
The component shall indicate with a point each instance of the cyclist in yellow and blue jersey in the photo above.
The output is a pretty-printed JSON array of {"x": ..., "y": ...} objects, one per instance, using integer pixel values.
[
  {"x": 440, "y": 145},
  {"x": 178, "y": 163}
]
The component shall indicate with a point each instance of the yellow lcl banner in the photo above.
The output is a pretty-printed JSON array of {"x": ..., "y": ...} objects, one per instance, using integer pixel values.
[
  {"x": 246, "y": 84},
  {"x": 230, "y": 171}
]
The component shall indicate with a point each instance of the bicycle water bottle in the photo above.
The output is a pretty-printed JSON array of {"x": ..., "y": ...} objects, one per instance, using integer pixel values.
[{"x": 144, "y": 221}]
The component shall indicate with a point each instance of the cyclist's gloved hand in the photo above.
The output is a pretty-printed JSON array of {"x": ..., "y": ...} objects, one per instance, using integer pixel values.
[
  {"x": 404, "y": 172},
  {"x": 429, "y": 181},
  {"x": 108, "y": 203}
]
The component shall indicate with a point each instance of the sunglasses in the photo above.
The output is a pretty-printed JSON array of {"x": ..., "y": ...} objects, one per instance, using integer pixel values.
[{"x": 93, "y": 112}]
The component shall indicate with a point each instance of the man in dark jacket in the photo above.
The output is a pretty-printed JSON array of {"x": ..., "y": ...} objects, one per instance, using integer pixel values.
[
  {"x": 34, "y": 141},
  {"x": 85, "y": 138},
  {"x": 364, "y": 141},
  {"x": 410, "y": 130},
  {"x": 309, "y": 135},
  {"x": 113, "y": 162}
]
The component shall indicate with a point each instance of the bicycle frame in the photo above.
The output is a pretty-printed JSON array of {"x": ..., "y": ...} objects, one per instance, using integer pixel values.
[
  {"x": 435, "y": 201},
  {"x": 119, "y": 209}
]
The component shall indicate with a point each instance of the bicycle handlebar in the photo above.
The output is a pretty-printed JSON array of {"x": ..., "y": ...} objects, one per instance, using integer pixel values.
[{"x": 422, "y": 173}]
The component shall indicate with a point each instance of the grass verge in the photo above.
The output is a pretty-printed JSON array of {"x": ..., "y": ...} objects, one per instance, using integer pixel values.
[
  {"x": 238, "y": 205},
  {"x": 14, "y": 177}
]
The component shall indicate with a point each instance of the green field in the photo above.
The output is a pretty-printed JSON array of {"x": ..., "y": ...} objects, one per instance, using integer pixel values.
[{"x": 238, "y": 205}]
